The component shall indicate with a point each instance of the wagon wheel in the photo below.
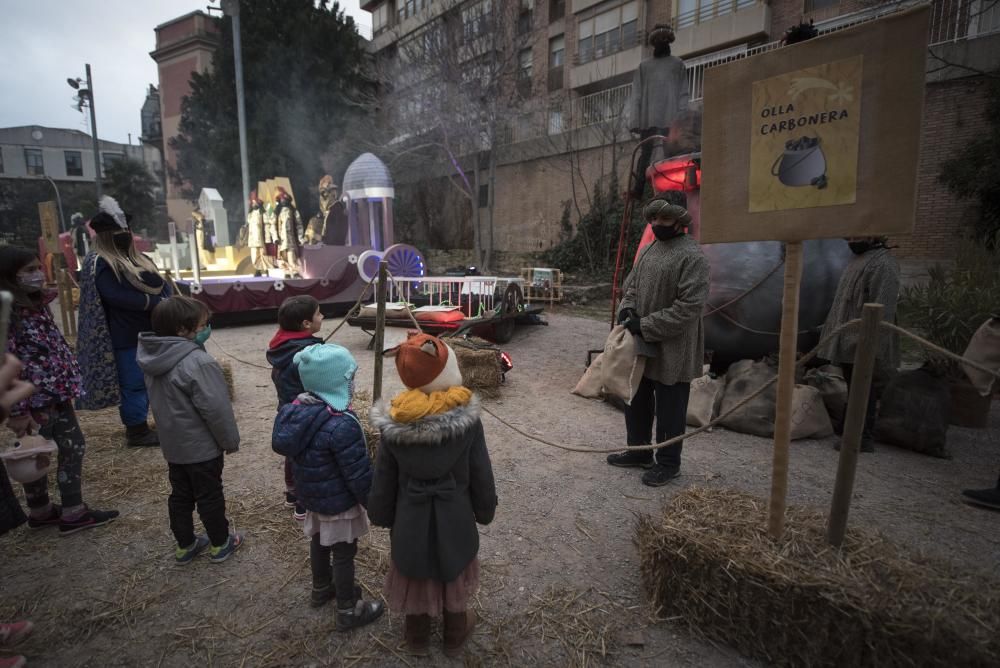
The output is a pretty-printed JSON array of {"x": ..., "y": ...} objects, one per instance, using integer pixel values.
[{"x": 510, "y": 305}]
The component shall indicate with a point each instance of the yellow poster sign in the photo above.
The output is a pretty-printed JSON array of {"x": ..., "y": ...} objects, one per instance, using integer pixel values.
[
  {"x": 48, "y": 214},
  {"x": 805, "y": 128}
]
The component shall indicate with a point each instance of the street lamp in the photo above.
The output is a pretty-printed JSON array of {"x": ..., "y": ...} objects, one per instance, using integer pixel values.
[
  {"x": 86, "y": 96},
  {"x": 231, "y": 8},
  {"x": 62, "y": 219}
]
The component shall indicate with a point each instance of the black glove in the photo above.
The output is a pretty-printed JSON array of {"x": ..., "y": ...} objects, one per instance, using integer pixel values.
[
  {"x": 633, "y": 324},
  {"x": 625, "y": 314}
]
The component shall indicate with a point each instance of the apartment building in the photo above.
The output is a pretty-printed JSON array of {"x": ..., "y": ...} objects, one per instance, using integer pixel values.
[
  {"x": 575, "y": 78},
  {"x": 33, "y": 151}
]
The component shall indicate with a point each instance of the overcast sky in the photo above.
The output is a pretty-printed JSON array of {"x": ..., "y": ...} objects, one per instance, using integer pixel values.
[{"x": 46, "y": 41}]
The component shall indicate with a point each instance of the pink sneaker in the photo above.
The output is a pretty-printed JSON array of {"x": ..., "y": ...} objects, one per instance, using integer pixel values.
[{"x": 14, "y": 633}]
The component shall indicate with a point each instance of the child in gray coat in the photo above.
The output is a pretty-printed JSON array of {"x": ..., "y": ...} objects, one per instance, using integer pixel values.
[{"x": 190, "y": 402}]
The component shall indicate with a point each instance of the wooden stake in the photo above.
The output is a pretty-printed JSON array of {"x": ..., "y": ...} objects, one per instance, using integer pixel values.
[
  {"x": 854, "y": 421},
  {"x": 383, "y": 278},
  {"x": 66, "y": 292},
  {"x": 786, "y": 387}
]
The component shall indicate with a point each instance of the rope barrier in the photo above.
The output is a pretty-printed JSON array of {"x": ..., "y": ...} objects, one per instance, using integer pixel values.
[
  {"x": 639, "y": 448},
  {"x": 938, "y": 349}
]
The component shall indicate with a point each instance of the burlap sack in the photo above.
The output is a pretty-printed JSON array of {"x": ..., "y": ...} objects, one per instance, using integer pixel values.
[
  {"x": 621, "y": 368},
  {"x": 705, "y": 395},
  {"x": 809, "y": 416},
  {"x": 829, "y": 380},
  {"x": 913, "y": 413},
  {"x": 743, "y": 379},
  {"x": 589, "y": 385},
  {"x": 985, "y": 349}
]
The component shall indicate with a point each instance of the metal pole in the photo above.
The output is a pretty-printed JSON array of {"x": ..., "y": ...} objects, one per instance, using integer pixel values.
[
  {"x": 195, "y": 258},
  {"x": 62, "y": 219},
  {"x": 232, "y": 8},
  {"x": 93, "y": 134},
  {"x": 383, "y": 271},
  {"x": 175, "y": 263},
  {"x": 854, "y": 422}
]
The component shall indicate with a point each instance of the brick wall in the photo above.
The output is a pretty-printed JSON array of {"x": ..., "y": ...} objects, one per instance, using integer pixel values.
[{"x": 954, "y": 114}]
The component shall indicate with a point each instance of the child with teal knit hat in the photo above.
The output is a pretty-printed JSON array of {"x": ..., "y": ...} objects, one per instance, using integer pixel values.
[{"x": 323, "y": 438}]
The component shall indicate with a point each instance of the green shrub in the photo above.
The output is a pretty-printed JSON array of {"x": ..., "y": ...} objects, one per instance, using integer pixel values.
[{"x": 955, "y": 300}]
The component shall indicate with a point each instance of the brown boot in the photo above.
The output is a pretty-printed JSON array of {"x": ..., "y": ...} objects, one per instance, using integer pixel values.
[
  {"x": 457, "y": 629},
  {"x": 417, "y": 633}
]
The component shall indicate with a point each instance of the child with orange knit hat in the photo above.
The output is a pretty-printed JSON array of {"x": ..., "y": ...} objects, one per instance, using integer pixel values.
[{"x": 433, "y": 483}]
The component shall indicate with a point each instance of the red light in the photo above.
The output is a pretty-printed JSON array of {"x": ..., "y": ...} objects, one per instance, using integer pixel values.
[
  {"x": 506, "y": 363},
  {"x": 674, "y": 175}
]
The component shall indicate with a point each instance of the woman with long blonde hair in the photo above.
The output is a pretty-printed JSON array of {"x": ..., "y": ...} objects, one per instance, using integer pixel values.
[{"x": 119, "y": 287}]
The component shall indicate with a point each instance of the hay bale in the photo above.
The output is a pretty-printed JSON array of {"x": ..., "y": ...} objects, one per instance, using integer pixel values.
[
  {"x": 227, "y": 373},
  {"x": 707, "y": 560},
  {"x": 479, "y": 362},
  {"x": 362, "y": 404}
]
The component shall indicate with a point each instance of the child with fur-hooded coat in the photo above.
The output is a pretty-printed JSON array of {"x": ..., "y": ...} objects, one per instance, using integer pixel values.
[{"x": 433, "y": 483}]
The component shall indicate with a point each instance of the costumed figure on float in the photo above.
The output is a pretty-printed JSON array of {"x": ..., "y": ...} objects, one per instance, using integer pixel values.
[
  {"x": 258, "y": 234},
  {"x": 289, "y": 223},
  {"x": 329, "y": 226}
]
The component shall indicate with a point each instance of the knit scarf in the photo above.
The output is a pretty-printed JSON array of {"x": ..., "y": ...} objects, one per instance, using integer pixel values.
[{"x": 413, "y": 405}]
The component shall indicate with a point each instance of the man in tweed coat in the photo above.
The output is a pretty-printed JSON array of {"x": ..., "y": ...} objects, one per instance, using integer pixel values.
[
  {"x": 871, "y": 277},
  {"x": 663, "y": 301}
]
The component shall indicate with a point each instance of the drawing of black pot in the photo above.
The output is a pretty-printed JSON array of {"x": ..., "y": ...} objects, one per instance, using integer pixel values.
[{"x": 801, "y": 164}]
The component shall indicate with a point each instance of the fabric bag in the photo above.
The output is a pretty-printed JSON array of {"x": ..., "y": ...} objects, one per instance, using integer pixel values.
[
  {"x": 622, "y": 366},
  {"x": 589, "y": 385},
  {"x": 984, "y": 348},
  {"x": 913, "y": 413},
  {"x": 829, "y": 380},
  {"x": 706, "y": 393}
]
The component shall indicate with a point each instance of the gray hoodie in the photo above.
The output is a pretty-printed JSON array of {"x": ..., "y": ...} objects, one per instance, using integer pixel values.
[{"x": 189, "y": 398}]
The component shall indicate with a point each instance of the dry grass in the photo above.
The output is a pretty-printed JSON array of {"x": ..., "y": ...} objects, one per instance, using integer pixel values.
[{"x": 707, "y": 560}]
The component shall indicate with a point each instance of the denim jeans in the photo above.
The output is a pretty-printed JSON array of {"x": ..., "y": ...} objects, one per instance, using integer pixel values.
[
  {"x": 667, "y": 404},
  {"x": 134, "y": 406}
]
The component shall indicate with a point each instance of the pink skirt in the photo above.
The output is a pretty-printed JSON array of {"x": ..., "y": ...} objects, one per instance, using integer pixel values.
[
  {"x": 408, "y": 596},
  {"x": 345, "y": 527}
]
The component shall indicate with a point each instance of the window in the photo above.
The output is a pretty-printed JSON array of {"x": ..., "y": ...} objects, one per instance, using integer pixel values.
[
  {"x": 524, "y": 17},
  {"x": 475, "y": 19},
  {"x": 380, "y": 18},
  {"x": 814, "y": 5},
  {"x": 33, "y": 162},
  {"x": 524, "y": 67},
  {"x": 74, "y": 163},
  {"x": 484, "y": 196},
  {"x": 555, "y": 121},
  {"x": 690, "y": 12},
  {"x": 609, "y": 32},
  {"x": 108, "y": 159},
  {"x": 557, "y": 10},
  {"x": 557, "y": 50}
]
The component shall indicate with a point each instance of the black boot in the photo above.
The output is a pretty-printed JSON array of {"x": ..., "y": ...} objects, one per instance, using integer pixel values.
[
  {"x": 140, "y": 436},
  {"x": 361, "y": 612},
  {"x": 986, "y": 498}
]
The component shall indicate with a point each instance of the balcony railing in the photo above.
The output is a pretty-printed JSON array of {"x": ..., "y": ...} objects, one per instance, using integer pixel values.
[
  {"x": 706, "y": 10},
  {"x": 601, "y": 107}
]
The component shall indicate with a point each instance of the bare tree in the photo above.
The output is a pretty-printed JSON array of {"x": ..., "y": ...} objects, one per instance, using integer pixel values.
[{"x": 452, "y": 89}]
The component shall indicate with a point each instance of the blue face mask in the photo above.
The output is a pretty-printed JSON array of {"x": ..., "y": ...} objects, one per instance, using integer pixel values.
[{"x": 203, "y": 335}]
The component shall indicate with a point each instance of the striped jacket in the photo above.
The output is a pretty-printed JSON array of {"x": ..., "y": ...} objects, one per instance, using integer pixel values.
[
  {"x": 668, "y": 288},
  {"x": 872, "y": 277}
]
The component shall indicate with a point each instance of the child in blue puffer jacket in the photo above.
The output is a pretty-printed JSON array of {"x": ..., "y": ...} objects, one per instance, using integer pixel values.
[{"x": 323, "y": 438}]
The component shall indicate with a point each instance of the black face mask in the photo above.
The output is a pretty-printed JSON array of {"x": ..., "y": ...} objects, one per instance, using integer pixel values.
[
  {"x": 122, "y": 241},
  {"x": 665, "y": 232}
]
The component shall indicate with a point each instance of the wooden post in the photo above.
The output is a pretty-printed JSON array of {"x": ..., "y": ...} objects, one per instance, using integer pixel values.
[
  {"x": 854, "y": 421},
  {"x": 379, "y": 328},
  {"x": 66, "y": 296},
  {"x": 786, "y": 387}
]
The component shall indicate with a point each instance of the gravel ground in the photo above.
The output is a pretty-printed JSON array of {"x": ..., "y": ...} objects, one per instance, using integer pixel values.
[{"x": 560, "y": 581}]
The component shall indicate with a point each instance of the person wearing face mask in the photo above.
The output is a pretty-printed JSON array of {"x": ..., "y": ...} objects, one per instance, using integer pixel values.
[
  {"x": 664, "y": 296},
  {"x": 49, "y": 365},
  {"x": 198, "y": 429},
  {"x": 871, "y": 277},
  {"x": 119, "y": 288}
]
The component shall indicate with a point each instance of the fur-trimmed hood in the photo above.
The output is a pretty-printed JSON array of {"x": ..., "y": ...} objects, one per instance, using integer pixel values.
[
  {"x": 431, "y": 430},
  {"x": 429, "y": 447}
]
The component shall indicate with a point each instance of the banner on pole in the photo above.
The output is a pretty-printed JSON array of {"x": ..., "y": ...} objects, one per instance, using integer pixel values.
[
  {"x": 818, "y": 139},
  {"x": 49, "y": 215}
]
